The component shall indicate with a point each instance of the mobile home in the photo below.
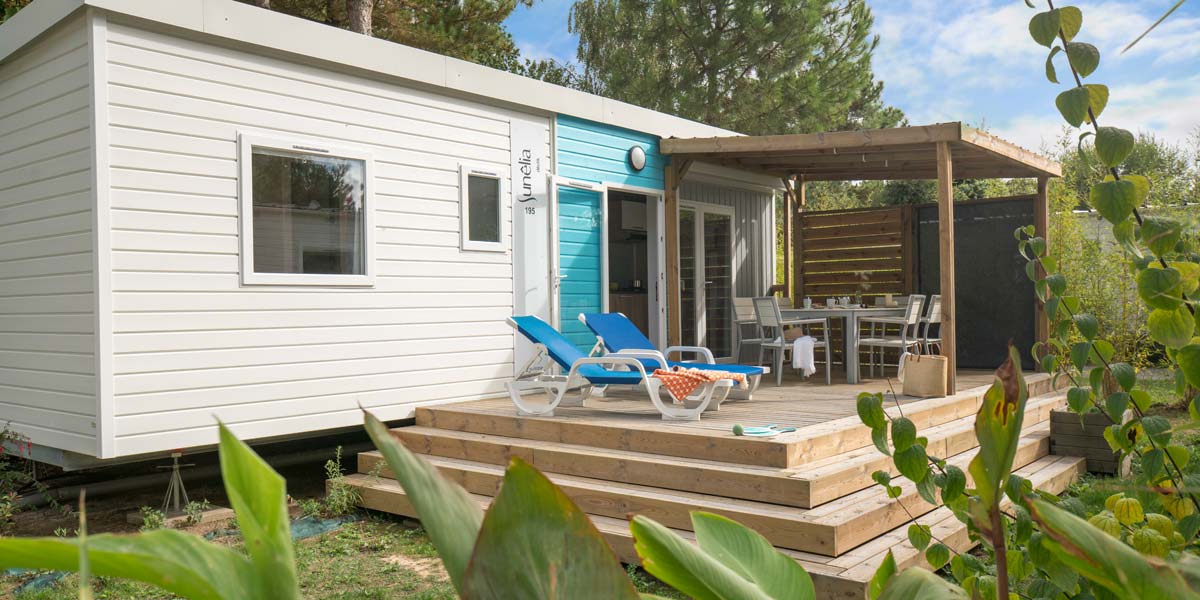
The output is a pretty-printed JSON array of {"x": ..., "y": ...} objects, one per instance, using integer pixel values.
[{"x": 210, "y": 210}]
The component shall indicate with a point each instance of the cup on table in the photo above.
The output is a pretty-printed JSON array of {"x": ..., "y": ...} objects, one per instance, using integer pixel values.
[
  {"x": 808, "y": 302},
  {"x": 831, "y": 302}
]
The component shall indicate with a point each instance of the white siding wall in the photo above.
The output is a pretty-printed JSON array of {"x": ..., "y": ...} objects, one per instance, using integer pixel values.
[
  {"x": 191, "y": 345},
  {"x": 47, "y": 348}
]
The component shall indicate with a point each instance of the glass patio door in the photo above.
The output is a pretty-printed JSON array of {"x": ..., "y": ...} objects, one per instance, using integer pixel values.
[{"x": 706, "y": 277}]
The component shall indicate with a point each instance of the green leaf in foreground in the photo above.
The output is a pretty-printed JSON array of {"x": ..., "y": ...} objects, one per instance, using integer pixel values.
[
  {"x": 1114, "y": 200},
  {"x": 1073, "y": 105},
  {"x": 1161, "y": 234},
  {"x": 1070, "y": 20},
  {"x": 731, "y": 561},
  {"x": 882, "y": 576},
  {"x": 998, "y": 428},
  {"x": 1043, "y": 27},
  {"x": 1171, "y": 328},
  {"x": 536, "y": 543},
  {"x": 1113, "y": 145},
  {"x": 1160, "y": 288},
  {"x": 447, "y": 511},
  {"x": 1050, "y": 73},
  {"x": 1083, "y": 57},
  {"x": 1106, "y": 560},
  {"x": 919, "y": 584},
  {"x": 258, "y": 496},
  {"x": 181, "y": 563}
]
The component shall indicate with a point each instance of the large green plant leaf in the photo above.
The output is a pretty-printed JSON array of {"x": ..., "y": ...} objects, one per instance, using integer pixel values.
[
  {"x": 1114, "y": 200},
  {"x": 1171, "y": 328},
  {"x": 1097, "y": 98},
  {"x": 536, "y": 543},
  {"x": 1070, "y": 20},
  {"x": 1043, "y": 27},
  {"x": 1083, "y": 57},
  {"x": 751, "y": 556},
  {"x": 1073, "y": 105},
  {"x": 1107, "y": 561},
  {"x": 919, "y": 584},
  {"x": 447, "y": 511},
  {"x": 1113, "y": 145},
  {"x": 259, "y": 498},
  {"x": 998, "y": 429},
  {"x": 1161, "y": 234},
  {"x": 731, "y": 561},
  {"x": 1160, "y": 288},
  {"x": 180, "y": 563}
]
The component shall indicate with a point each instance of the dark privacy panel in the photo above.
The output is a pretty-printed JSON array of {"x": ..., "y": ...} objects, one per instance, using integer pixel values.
[{"x": 995, "y": 301}]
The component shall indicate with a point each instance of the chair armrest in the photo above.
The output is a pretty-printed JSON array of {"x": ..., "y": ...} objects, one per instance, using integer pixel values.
[
  {"x": 704, "y": 353},
  {"x": 654, "y": 355},
  {"x": 609, "y": 360}
]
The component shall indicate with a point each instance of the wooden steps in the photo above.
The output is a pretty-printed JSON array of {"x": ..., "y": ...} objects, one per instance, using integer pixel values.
[
  {"x": 708, "y": 440},
  {"x": 803, "y": 486},
  {"x": 844, "y": 576},
  {"x": 831, "y": 529},
  {"x": 809, "y": 492},
  {"x": 846, "y": 473}
]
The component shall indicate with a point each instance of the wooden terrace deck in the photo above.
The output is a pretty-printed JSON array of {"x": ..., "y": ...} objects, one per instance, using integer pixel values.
[{"x": 809, "y": 491}]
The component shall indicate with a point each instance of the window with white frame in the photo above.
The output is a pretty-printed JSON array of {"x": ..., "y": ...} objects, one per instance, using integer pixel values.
[
  {"x": 306, "y": 213},
  {"x": 481, "y": 205}
]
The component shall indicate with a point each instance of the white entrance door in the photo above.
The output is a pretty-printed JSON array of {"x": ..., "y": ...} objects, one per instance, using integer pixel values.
[{"x": 706, "y": 275}]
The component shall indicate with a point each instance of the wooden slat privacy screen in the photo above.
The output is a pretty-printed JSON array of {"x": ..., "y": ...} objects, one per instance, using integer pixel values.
[{"x": 859, "y": 250}]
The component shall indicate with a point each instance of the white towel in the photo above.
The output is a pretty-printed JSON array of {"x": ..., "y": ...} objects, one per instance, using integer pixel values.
[{"x": 803, "y": 356}]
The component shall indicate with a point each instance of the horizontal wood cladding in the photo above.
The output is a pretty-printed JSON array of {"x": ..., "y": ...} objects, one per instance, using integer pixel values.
[
  {"x": 846, "y": 252},
  {"x": 190, "y": 342},
  {"x": 47, "y": 316}
]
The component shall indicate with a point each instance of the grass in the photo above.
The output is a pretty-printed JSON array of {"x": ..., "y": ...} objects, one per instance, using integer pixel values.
[
  {"x": 363, "y": 560},
  {"x": 376, "y": 558}
]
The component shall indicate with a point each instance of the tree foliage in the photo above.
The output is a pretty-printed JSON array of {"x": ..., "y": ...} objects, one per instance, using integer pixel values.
[
  {"x": 783, "y": 66},
  {"x": 472, "y": 30}
]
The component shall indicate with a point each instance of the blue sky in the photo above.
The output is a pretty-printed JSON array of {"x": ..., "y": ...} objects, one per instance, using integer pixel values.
[{"x": 973, "y": 61}]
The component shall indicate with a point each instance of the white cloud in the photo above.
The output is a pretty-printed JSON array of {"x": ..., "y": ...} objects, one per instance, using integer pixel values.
[{"x": 974, "y": 61}]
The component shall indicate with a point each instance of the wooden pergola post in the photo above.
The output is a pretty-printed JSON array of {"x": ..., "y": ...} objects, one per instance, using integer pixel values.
[
  {"x": 1041, "y": 226},
  {"x": 789, "y": 194},
  {"x": 789, "y": 209},
  {"x": 673, "y": 175},
  {"x": 798, "y": 240},
  {"x": 945, "y": 189}
]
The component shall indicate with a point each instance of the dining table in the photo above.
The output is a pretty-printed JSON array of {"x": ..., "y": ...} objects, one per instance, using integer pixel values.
[{"x": 850, "y": 314}]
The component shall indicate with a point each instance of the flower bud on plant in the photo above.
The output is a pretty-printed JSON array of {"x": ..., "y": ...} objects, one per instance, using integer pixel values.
[
  {"x": 1128, "y": 511},
  {"x": 1110, "y": 503},
  {"x": 1106, "y": 522},
  {"x": 1160, "y": 523},
  {"x": 1149, "y": 541}
]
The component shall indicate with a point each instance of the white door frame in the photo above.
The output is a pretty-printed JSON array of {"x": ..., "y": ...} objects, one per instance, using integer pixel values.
[
  {"x": 700, "y": 208},
  {"x": 555, "y": 276},
  {"x": 658, "y": 308}
]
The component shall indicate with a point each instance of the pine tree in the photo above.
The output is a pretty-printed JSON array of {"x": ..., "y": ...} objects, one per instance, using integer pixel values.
[{"x": 757, "y": 67}]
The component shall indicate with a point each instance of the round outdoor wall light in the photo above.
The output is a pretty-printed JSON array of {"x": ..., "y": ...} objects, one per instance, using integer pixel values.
[{"x": 637, "y": 158}]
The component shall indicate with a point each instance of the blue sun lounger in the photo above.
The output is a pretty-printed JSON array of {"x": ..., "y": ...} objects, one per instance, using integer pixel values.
[
  {"x": 586, "y": 372},
  {"x": 619, "y": 336}
]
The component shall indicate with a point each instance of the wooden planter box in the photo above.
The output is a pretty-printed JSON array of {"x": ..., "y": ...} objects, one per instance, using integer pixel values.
[{"x": 1069, "y": 438}]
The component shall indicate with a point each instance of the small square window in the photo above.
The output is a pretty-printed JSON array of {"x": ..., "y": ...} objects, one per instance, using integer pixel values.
[
  {"x": 482, "y": 210},
  {"x": 306, "y": 214}
]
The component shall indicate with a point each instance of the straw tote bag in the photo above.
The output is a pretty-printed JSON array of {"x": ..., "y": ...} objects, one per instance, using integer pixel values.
[{"x": 924, "y": 375}]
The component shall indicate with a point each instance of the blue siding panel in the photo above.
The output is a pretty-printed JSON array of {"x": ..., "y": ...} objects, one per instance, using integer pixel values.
[{"x": 589, "y": 151}]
